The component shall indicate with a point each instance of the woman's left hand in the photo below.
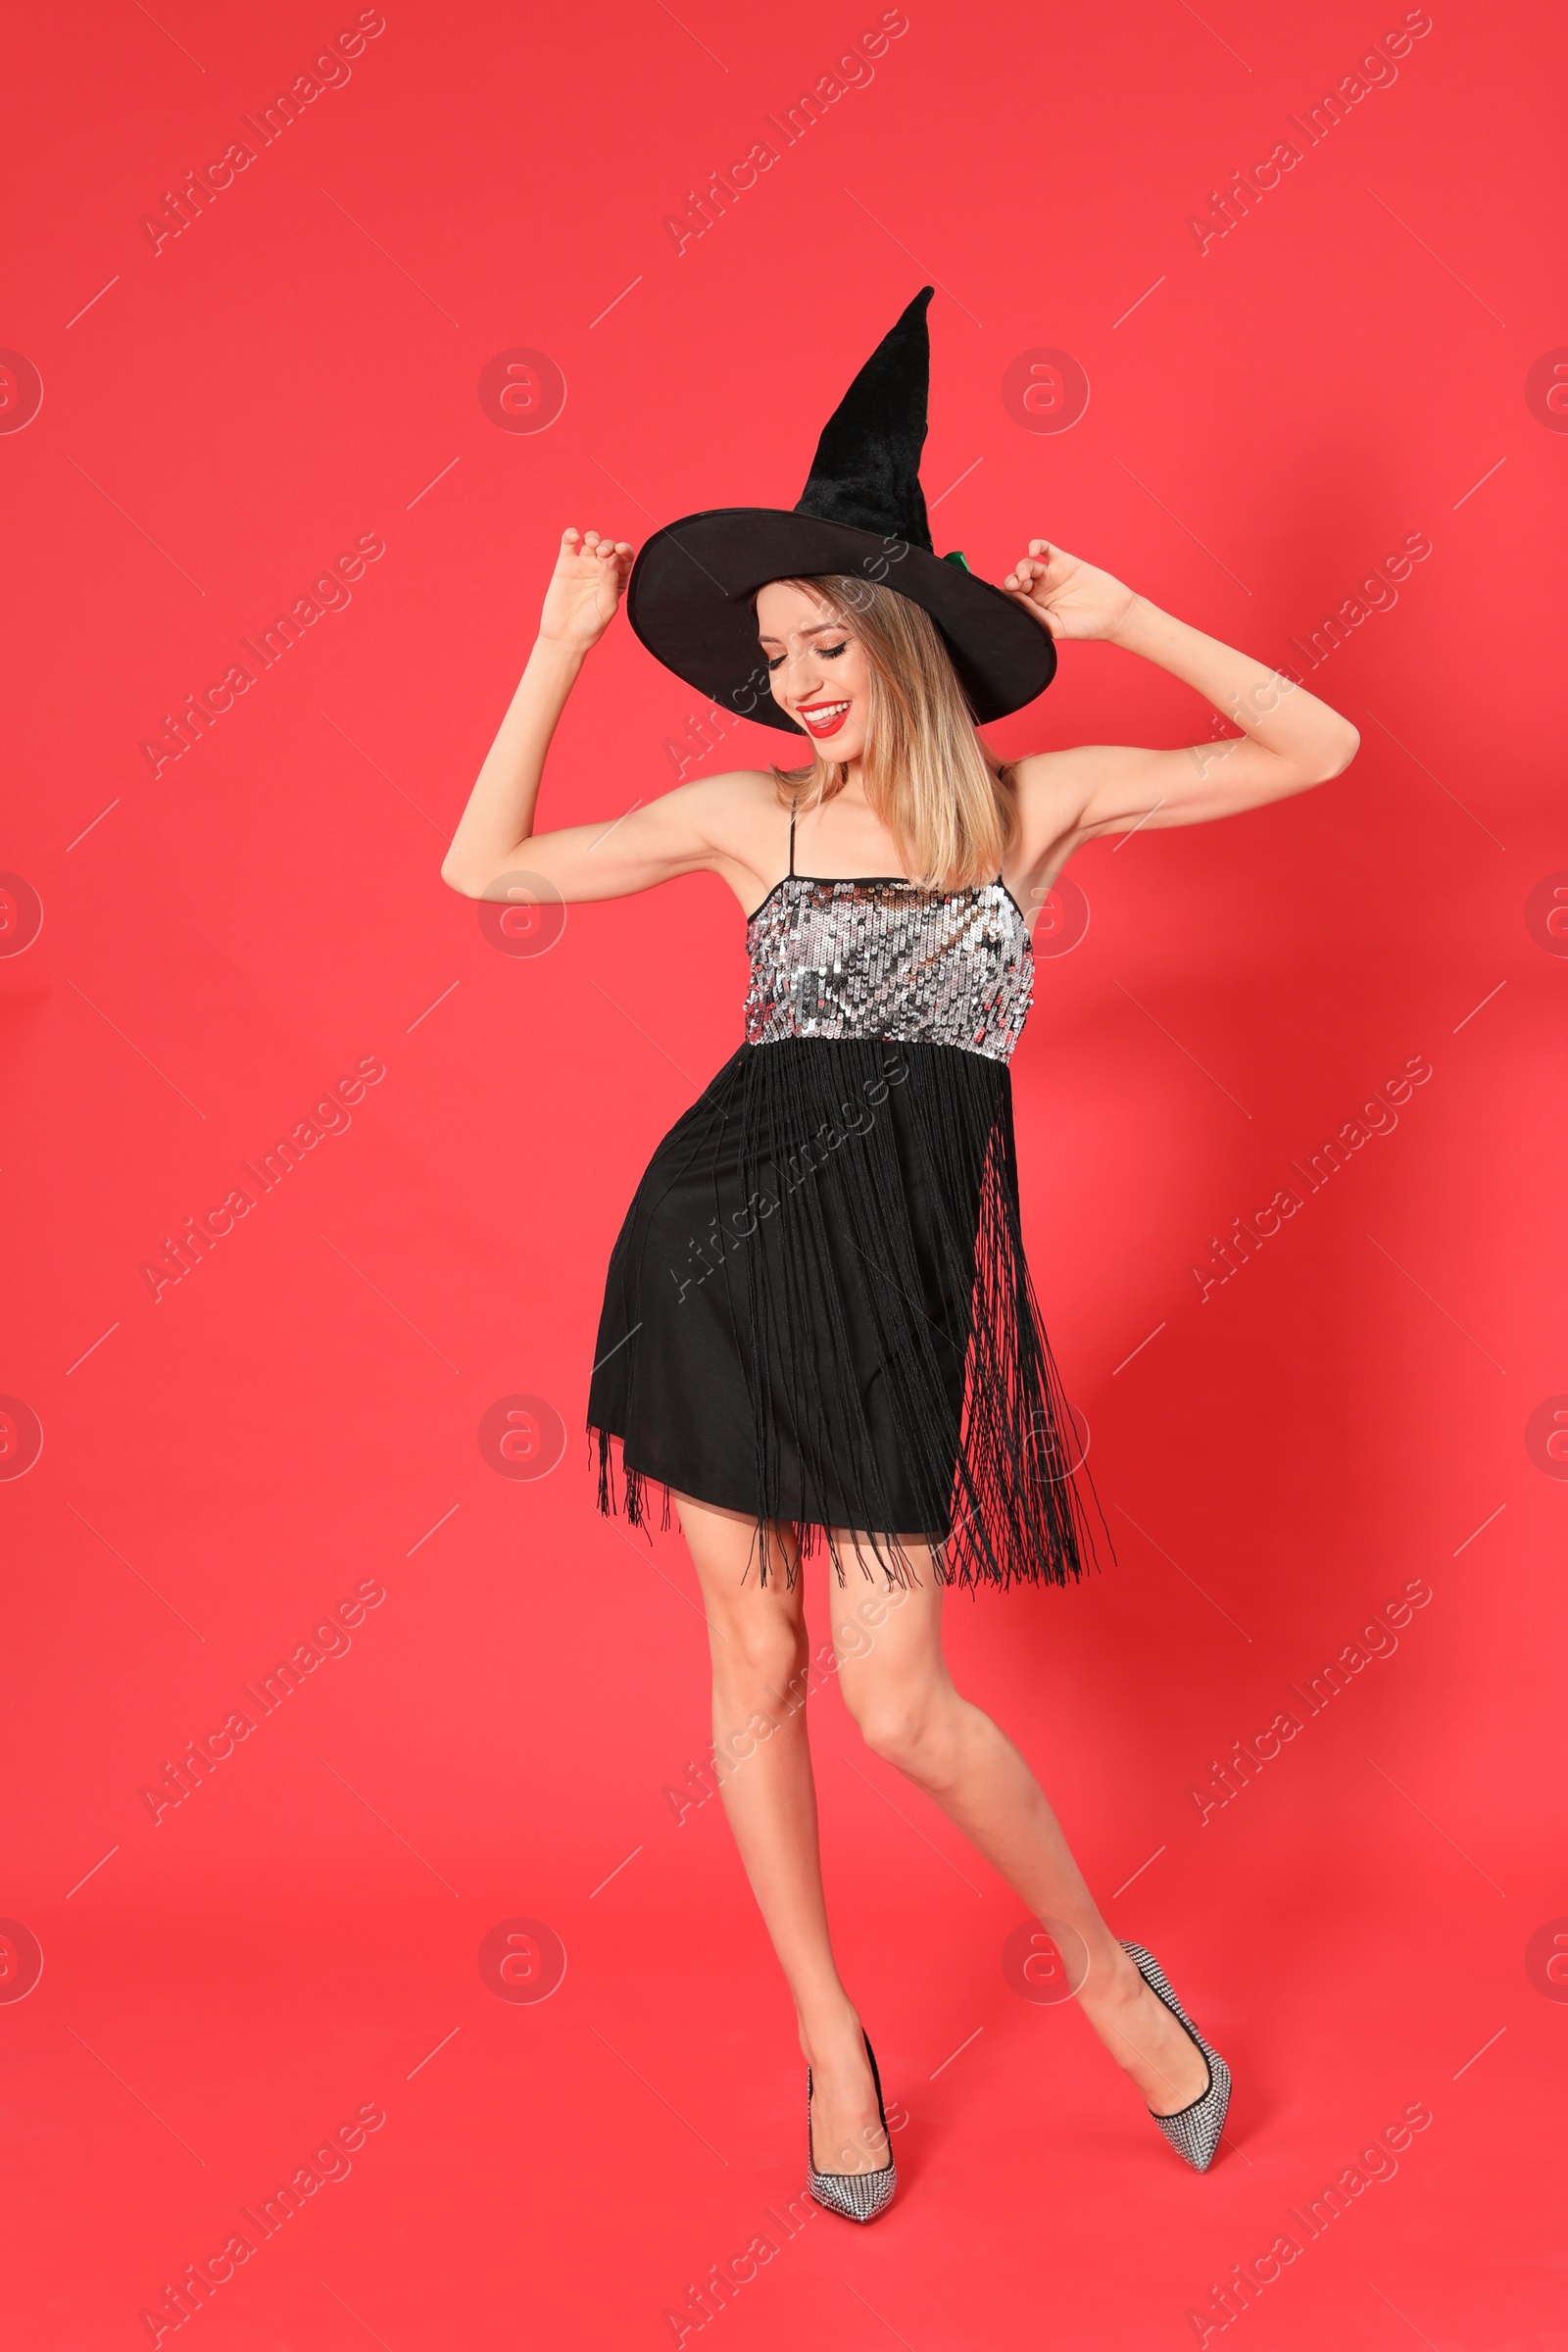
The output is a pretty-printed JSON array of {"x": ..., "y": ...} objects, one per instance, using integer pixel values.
[{"x": 1068, "y": 598}]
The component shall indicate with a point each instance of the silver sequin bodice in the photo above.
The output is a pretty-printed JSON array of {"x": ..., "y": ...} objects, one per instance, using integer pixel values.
[{"x": 886, "y": 958}]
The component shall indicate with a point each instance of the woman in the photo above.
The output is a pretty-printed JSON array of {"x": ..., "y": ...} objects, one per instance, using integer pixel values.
[{"x": 818, "y": 1325}]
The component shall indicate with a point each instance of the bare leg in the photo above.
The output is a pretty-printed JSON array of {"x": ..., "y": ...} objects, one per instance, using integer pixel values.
[
  {"x": 756, "y": 1635},
  {"x": 896, "y": 1685}
]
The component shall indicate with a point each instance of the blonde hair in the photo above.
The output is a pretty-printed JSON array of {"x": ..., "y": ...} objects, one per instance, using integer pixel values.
[{"x": 933, "y": 783}]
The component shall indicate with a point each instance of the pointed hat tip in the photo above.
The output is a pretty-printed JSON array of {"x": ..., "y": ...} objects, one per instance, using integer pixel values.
[
  {"x": 866, "y": 471},
  {"x": 914, "y": 314}
]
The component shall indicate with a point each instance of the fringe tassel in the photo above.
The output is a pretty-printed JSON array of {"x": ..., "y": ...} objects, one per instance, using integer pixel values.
[
  {"x": 890, "y": 1338},
  {"x": 634, "y": 1485}
]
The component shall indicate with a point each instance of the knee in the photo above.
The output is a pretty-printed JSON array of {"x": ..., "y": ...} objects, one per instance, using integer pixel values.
[
  {"x": 757, "y": 1659},
  {"x": 911, "y": 1729}
]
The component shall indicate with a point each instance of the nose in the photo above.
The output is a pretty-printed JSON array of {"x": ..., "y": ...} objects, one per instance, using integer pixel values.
[{"x": 802, "y": 673}]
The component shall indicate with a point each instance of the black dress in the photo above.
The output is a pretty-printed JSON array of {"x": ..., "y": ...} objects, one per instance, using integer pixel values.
[{"x": 819, "y": 1311}]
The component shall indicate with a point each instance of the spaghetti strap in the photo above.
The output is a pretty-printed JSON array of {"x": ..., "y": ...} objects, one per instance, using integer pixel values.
[{"x": 791, "y": 842}]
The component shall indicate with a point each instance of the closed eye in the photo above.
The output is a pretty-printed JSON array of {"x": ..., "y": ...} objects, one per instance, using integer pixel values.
[{"x": 829, "y": 653}]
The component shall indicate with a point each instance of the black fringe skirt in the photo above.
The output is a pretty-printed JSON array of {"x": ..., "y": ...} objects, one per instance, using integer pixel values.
[{"x": 818, "y": 1313}]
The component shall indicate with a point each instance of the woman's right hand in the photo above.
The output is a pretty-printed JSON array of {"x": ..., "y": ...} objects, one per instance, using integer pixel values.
[{"x": 585, "y": 591}]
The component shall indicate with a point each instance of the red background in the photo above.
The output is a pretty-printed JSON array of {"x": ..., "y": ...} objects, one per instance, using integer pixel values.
[{"x": 224, "y": 939}]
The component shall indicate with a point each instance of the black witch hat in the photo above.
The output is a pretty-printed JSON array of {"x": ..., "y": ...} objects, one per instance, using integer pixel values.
[{"x": 861, "y": 512}]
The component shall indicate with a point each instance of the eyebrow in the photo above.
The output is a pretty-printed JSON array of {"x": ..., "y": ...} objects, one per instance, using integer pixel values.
[{"x": 815, "y": 630}]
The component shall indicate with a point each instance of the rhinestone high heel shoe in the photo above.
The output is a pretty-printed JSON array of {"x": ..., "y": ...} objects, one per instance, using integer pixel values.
[
  {"x": 1194, "y": 2132},
  {"x": 858, "y": 2196}
]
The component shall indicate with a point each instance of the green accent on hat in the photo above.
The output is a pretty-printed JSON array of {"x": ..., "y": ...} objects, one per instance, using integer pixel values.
[{"x": 958, "y": 556}]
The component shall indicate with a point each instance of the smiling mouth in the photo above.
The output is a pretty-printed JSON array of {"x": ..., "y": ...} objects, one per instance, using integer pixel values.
[{"x": 822, "y": 718}]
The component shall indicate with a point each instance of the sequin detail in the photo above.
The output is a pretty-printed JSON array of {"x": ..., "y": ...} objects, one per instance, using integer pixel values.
[
  {"x": 889, "y": 959},
  {"x": 1194, "y": 2132}
]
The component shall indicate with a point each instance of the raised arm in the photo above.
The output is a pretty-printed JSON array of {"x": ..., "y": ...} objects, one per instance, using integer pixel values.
[
  {"x": 1289, "y": 739},
  {"x": 610, "y": 860}
]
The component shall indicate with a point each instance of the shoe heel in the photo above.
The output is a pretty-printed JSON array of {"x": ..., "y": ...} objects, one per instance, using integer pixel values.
[
  {"x": 1194, "y": 2132},
  {"x": 858, "y": 2196}
]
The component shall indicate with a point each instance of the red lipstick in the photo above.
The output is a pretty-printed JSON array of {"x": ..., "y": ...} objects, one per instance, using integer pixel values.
[{"x": 823, "y": 718}]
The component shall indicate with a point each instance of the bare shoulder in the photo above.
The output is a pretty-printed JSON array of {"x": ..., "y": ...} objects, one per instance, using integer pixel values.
[
  {"x": 727, "y": 806},
  {"x": 742, "y": 820}
]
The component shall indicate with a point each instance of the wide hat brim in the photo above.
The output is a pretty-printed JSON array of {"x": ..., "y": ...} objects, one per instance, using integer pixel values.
[{"x": 688, "y": 600}]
